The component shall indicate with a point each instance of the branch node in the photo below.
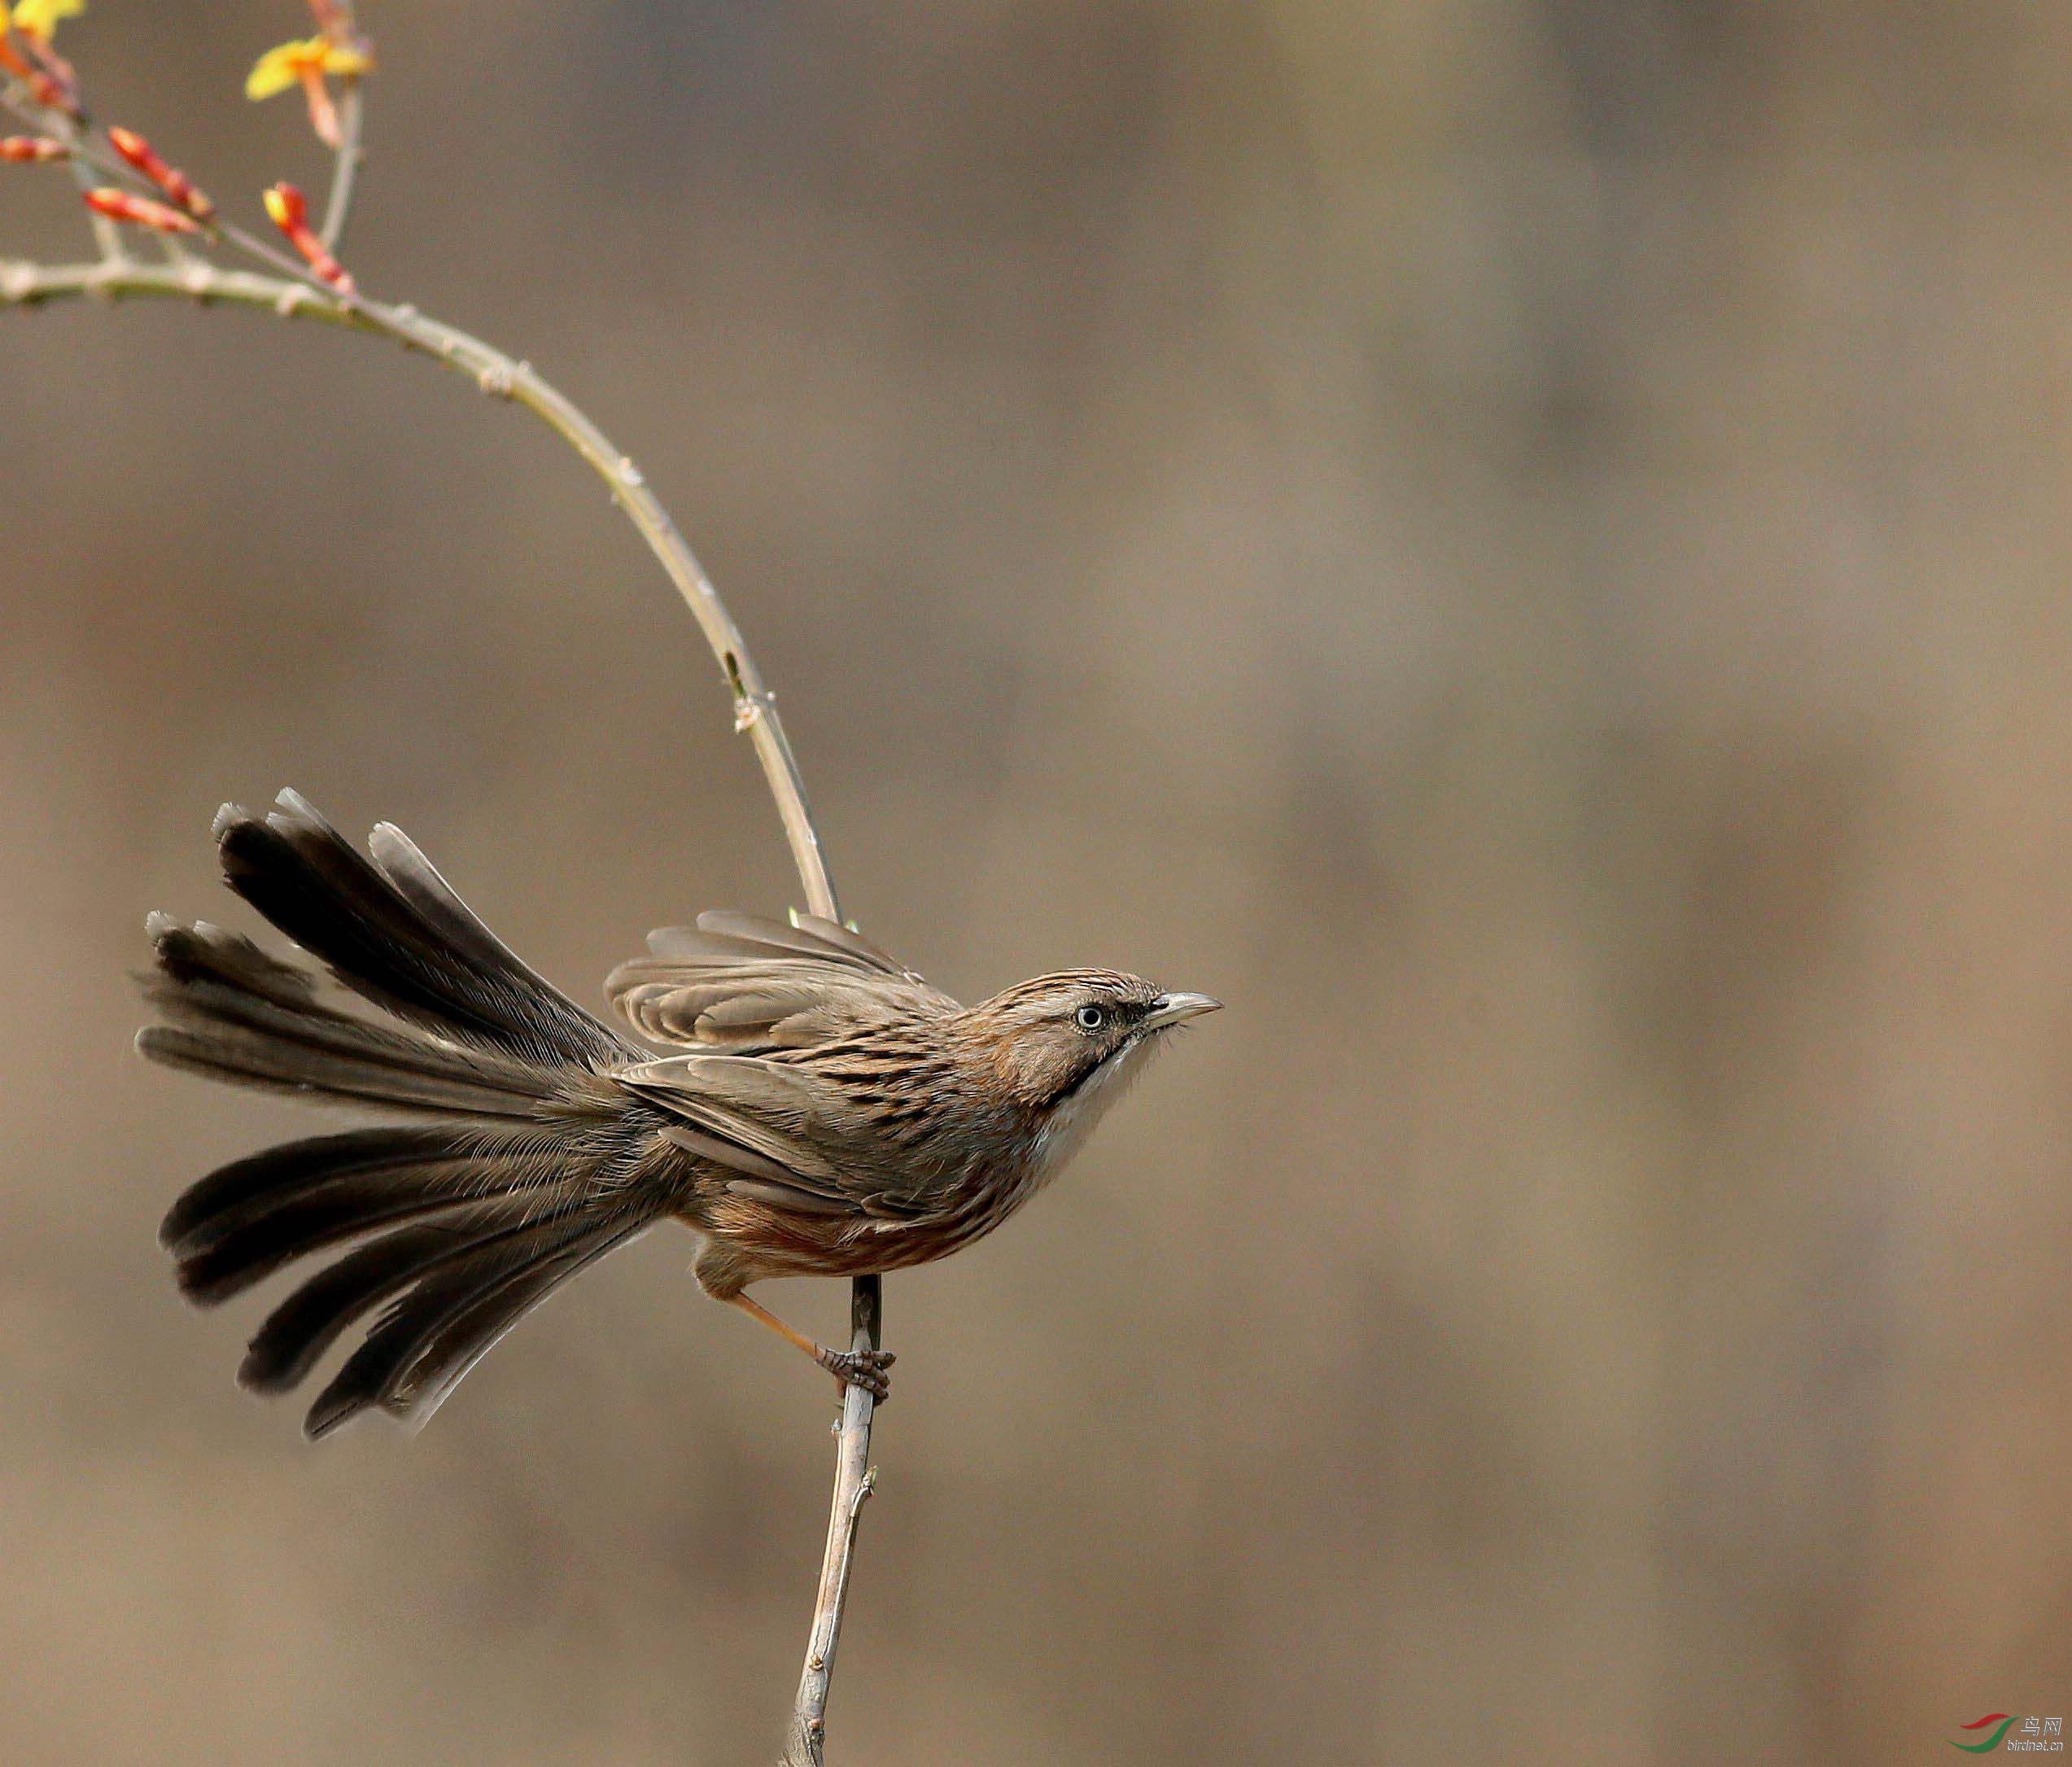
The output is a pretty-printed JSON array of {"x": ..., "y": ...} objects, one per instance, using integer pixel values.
[
  {"x": 863, "y": 1495},
  {"x": 291, "y": 300},
  {"x": 749, "y": 711},
  {"x": 495, "y": 380}
]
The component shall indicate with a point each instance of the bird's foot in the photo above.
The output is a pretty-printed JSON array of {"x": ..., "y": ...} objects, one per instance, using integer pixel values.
[{"x": 864, "y": 1368}]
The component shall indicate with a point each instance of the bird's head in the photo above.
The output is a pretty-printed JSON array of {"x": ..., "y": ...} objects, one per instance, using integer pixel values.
[{"x": 1065, "y": 1042}]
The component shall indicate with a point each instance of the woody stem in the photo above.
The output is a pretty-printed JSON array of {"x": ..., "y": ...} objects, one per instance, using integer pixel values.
[{"x": 30, "y": 285}]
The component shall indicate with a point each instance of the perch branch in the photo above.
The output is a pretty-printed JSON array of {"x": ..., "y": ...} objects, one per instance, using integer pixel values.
[
  {"x": 293, "y": 296},
  {"x": 853, "y": 1478}
]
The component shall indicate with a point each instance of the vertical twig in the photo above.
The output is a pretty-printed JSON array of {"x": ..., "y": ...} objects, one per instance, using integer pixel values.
[
  {"x": 853, "y": 1478},
  {"x": 345, "y": 166},
  {"x": 337, "y": 21},
  {"x": 108, "y": 237}
]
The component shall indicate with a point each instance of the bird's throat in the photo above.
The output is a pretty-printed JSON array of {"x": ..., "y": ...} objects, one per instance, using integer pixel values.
[{"x": 1072, "y": 1119}]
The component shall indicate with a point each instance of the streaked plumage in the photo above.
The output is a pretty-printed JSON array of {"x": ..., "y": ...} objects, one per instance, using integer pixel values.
[{"x": 826, "y": 1111}]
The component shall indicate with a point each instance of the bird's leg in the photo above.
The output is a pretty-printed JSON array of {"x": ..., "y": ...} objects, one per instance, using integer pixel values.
[{"x": 853, "y": 1368}]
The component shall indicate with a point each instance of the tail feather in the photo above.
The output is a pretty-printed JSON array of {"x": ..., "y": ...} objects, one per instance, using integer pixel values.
[
  {"x": 230, "y": 1195},
  {"x": 239, "y": 1248},
  {"x": 206, "y": 953},
  {"x": 525, "y": 1162},
  {"x": 466, "y": 1336},
  {"x": 235, "y": 1033},
  {"x": 313, "y": 1317},
  {"x": 405, "y": 941},
  {"x": 454, "y": 1312}
]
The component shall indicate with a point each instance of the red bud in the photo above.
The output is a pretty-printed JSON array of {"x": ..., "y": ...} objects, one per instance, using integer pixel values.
[
  {"x": 290, "y": 210},
  {"x": 170, "y": 179},
  {"x": 48, "y": 75},
  {"x": 139, "y": 211},
  {"x": 32, "y": 149},
  {"x": 50, "y": 93}
]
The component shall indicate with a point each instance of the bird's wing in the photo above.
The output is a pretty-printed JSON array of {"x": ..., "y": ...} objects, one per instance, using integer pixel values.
[
  {"x": 781, "y": 1132},
  {"x": 738, "y": 981}
]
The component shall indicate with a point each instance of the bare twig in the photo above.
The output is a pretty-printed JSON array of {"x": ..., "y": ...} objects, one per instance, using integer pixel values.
[
  {"x": 295, "y": 295},
  {"x": 108, "y": 237},
  {"x": 854, "y": 1478},
  {"x": 496, "y": 374},
  {"x": 345, "y": 167}
]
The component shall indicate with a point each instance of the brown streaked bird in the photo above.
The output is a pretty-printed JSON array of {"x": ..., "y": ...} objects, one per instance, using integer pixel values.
[{"x": 832, "y": 1115}]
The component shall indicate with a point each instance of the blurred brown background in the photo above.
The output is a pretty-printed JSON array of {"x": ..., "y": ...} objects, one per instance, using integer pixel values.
[{"x": 1525, "y": 545}]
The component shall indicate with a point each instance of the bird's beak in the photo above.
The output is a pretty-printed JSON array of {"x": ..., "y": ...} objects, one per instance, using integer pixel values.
[{"x": 1174, "y": 1008}]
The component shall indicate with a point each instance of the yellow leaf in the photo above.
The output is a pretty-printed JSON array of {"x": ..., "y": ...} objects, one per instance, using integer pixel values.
[
  {"x": 39, "y": 18},
  {"x": 347, "y": 63},
  {"x": 280, "y": 68},
  {"x": 284, "y": 66}
]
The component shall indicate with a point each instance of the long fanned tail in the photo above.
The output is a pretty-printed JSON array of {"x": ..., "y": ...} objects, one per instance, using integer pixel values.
[{"x": 520, "y": 1162}]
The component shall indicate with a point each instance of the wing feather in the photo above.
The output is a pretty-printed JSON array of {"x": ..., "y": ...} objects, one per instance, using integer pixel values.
[
  {"x": 782, "y": 1133},
  {"x": 740, "y": 983}
]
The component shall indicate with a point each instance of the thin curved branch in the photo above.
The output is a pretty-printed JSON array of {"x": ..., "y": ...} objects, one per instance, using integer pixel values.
[
  {"x": 24, "y": 284},
  {"x": 28, "y": 284}
]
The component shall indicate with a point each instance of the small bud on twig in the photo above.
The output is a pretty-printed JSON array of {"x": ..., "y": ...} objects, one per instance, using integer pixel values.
[
  {"x": 52, "y": 94},
  {"x": 32, "y": 149},
  {"x": 176, "y": 183},
  {"x": 29, "y": 57},
  {"x": 45, "y": 86},
  {"x": 140, "y": 211},
  {"x": 290, "y": 210}
]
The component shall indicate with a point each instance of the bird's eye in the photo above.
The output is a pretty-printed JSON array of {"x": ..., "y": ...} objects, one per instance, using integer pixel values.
[{"x": 1090, "y": 1018}]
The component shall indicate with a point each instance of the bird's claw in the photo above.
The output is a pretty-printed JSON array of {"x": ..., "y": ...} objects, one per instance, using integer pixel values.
[{"x": 864, "y": 1368}]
